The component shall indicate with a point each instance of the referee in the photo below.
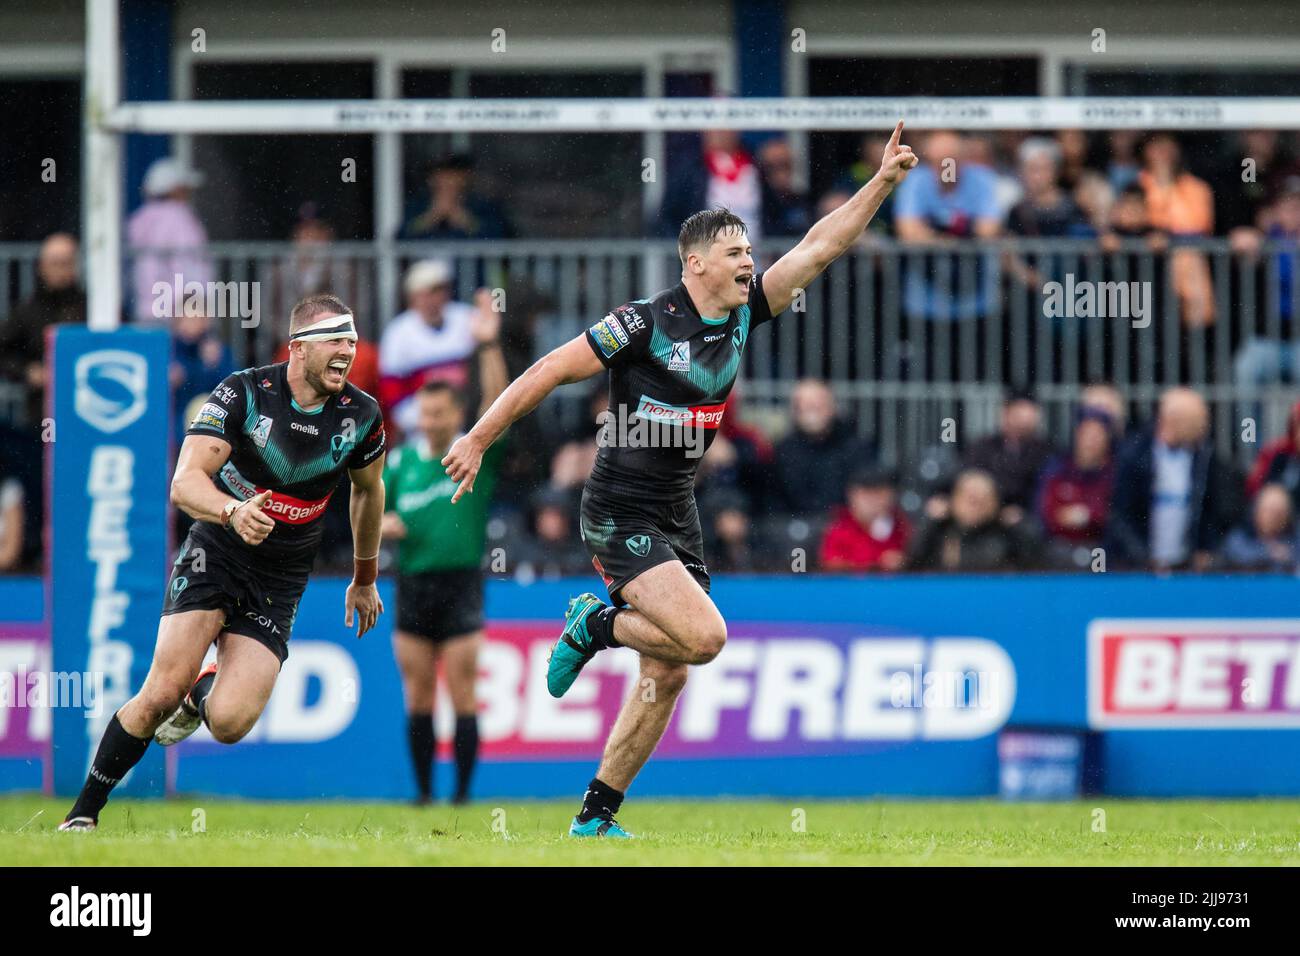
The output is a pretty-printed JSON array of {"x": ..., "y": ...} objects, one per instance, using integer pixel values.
[{"x": 439, "y": 562}]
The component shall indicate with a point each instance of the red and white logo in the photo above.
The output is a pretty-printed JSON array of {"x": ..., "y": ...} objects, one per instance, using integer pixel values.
[
  {"x": 1169, "y": 673},
  {"x": 701, "y": 416}
]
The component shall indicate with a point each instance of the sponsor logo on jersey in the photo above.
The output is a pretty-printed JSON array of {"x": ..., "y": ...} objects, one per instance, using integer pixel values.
[
  {"x": 280, "y": 506},
  {"x": 261, "y": 432},
  {"x": 631, "y": 320},
  {"x": 345, "y": 400},
  {"x": 309, "y": 429},
  {"x": 701, "y": 416},
  {"x": 714, "y": 338},
  {"x": 639, "y": 544},
  {"x": 210, "y": 416},
  {"x": 679, "y": 357},
  {"x": 606, "y": 339},
  {"x": 1158, "y": 673},
  {"x": 224, "y": 394}
]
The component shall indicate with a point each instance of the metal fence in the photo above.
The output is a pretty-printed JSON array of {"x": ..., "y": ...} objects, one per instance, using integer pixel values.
[{"x": 909, "y": 335}]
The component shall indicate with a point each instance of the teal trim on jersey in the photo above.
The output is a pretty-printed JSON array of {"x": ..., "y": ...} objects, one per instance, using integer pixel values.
[
  {"x": 250, "y": 408},
  {"x": 714, "y": 381},
  {"x": 287, "y": 473},
  {"x": 298, "y": 408},
  {"x": 708, "y": 321}
]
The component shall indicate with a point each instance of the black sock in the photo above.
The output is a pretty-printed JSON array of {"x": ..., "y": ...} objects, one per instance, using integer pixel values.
[
  {"x": 199, "y": 694},
  {"x": 601, "y": 627},
  {"x": 419, "y": 732},
  {"x": 600, "y": 800},
  {"x": 118, "y": 752},
  {"x": 466, "y": 749}
]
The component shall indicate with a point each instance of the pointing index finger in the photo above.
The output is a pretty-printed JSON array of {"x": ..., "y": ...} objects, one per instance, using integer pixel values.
[{"x": 898, "y": 131}]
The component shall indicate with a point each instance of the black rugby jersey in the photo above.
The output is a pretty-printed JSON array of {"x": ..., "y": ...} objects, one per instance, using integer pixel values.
[
  {"x": 670, "y": 371},
  {"x": 299, "y": 455}
]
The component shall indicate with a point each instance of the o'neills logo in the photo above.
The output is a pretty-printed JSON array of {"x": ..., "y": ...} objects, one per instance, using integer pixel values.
[{"x": 280, "y": 506}]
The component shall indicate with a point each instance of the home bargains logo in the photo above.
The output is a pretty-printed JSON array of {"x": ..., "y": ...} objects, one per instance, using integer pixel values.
[
  {"x": 282, "y": 507},
  {"x": 1194, "y": 673},
  {"x": 701, "y": 416}
]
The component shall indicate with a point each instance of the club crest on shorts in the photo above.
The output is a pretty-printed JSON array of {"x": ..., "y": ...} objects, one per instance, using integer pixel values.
[
  {"x": 639, "y": 544},
  {"x": 179, "y": 584},
  {"x": 679, "y": 358}
]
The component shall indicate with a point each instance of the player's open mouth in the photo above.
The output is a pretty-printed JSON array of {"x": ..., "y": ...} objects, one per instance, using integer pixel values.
[
  {"x": 337, "y": 371},
  {"x": 743, "y": 281}
]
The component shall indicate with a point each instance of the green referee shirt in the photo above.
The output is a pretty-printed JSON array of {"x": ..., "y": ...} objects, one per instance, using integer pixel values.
[{"x": 440, "y": 536}]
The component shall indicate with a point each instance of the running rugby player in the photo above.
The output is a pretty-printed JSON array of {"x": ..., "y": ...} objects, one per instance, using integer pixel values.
[
  {"x": 257, "y": 468},
  {"x": 672, "y": 360}
]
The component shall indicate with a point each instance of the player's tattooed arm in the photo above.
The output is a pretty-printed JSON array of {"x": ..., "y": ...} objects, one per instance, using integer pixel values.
[
  {"x": 571, "y": 362},
  {"x": 194, "y": 493},
  {"x": 833, "y": 234},
  {"x": 366, "y": 510}
]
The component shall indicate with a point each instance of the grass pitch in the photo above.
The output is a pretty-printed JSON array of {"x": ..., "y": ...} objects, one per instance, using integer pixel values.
[{"x": 671, "y": 833}]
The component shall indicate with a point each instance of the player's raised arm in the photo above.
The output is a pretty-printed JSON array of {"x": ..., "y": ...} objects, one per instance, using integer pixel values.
[
  {"x": 571, "y": 362},
  {"x": 835, "y": 232}
]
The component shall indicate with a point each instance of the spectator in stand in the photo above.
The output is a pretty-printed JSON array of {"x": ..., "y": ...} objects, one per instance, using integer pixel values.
[
  {"x": 812, "y": 463},
  {"x": 857, "y": 176},
  {"x": 433, "y": 339},
  {"x": 1279, "y": 461},
  {"x": 753, "y": 450},
  {"x": 1183, "y": 206},
  {"x": 786, "y": 211},
  {"x": 13, "y": 519},
  {"x": 59, "y": 297},
  {"x": 1014, "y": 455},
  {"x": 552, "y": 549},
  {"x": 969, "y": 535},
  {"x": 1107, "y": 399},
  {"x": 979, "y": 148},
  {"x": 200, "y": 360},
  {"x": 310, "y": 267},
  {"x": 1046, "y": 209},
  {"x": 167, "y": 240},
  {"x": 725, "y": 176},
  {"x": 1122, "y": 166},
  {"x": 1173, "y": 498},
  {"x": 940, "y": 201},
  {"x": 452, "y": 209},
  {"x": 733, "y": 544},
  {"x": 1074, "y": 491},
  {"x": 1244, "y": 192},
  {"x": 1129, "y": 220},
  {"x": 871, "y": 533},
  {"x": 1267, "y": 542},
  {"x": 1089, "y": 189},
  {"x": 572, "y": 462},
  {"x": 1269, "y": 361}
]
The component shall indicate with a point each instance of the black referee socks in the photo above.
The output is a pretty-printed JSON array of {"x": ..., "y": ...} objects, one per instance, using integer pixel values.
[
  {"x": 601, "y": 800},
  {"x": 419, "y": 733},
  {"x": 118, "y": 752},
  {"x": 465, "y": 747}
]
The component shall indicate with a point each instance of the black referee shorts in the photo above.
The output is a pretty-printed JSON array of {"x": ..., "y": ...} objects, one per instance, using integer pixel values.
[{"x": 438, "y": 605}]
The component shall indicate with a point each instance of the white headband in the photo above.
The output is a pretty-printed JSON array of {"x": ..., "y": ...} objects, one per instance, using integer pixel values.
[{"x": 327, "y": 328}]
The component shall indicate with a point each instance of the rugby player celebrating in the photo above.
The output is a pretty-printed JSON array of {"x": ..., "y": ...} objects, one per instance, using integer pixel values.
[
  {"x": 257, "y": 468},
  {"x": 672, "y": 360}
]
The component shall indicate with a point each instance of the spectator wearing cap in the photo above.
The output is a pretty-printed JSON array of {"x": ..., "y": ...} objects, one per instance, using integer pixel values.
[
  {"x": 434, "y": 339},
  {"x": 1015, "y": 454},
  {"x": 453, "y": 210},
  {"x": 1174, "y": 499},
  {"x": 1075, "y": 488},
  {"x": 969, "y": 534},
  {"x": 167, "y": 240},
  {"x": 813, "y": 462},
  {"x": 1268, "y": 541},
  {"x": 871, "y": 533}
]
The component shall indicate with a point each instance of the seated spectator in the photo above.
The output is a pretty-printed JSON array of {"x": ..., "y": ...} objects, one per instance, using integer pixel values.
[
  {"x": 871, "y": 533},
  {"x": 724, "y": 175},
  {"x": 433, "y": 339},
  {"x": 1183, "y": 206},
  {"x": 1015, "y": 455},
  {"x": 1268, "y": 541},
  {"x": 168, "y": 240},
  {"x": 1270, "y": 361},
  {"x": 1174, "y": 499},
  {"x": 812, "y": 463},
  {"x": 13, "y": 518},
  {"x": 59, "y": 297},
  {"x": 200, "y": 360},
  {"x": 786, "y": 210},
  {"x": 1074, "y": 491},
  {"x": 1279, "y": 462},
  {"x": 732, "y": 538},
  {"x": 553, "y": 548},
  {"x": 970, "y": 536},
  {"x": 939, "y": 201},
  {"x": 452, "y": 209}
]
